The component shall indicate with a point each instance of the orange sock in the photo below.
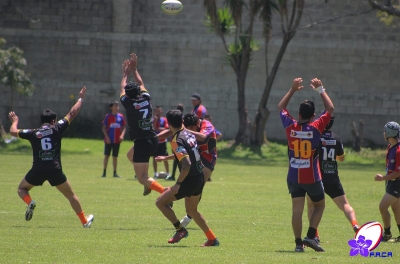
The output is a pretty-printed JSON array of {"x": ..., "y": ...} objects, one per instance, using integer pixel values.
[
  {"x": 27, "y": 199},
  {"x": 354, "y": 222},
  {"x": 210, "y": 235},
  {"x": 82, "y": 217},
  {"x": 155, "y": 186},
  {"x": 316, "y": 233}
]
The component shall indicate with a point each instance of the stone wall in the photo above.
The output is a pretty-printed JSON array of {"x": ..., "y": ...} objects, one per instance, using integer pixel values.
[{"x": 69, "y": 44}]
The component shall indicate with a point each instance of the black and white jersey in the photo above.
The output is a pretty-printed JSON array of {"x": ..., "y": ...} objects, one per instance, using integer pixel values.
[{"x": 330, "y": 147}]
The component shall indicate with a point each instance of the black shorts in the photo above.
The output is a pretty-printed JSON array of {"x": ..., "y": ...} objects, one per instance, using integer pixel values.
[
  {"x": 393, "y": 188},
  {"x": 161, "y": 150},
  {"x": 207, "y": 164},
  {"x": 191, "y": 186},
  {"x": 113, "y": 147},
  {"x": 143, "y": 149},
  {"x": 314, "y": 190},
  {"x": 334, "y": 189},
  {"x": 37, "y": 178}
]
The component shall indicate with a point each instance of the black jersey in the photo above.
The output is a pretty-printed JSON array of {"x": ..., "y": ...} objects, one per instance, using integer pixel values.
[
  {"x": 184, "y": 144},
  {"x": 330, "y": 147},
  {"x": 46, "y": 144},
  {"x": 139, "y": 114}
]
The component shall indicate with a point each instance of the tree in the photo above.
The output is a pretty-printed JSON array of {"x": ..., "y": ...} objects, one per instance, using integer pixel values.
[
  {"x": 392, "y": 7},
  {"x": 12, "y": 74}
]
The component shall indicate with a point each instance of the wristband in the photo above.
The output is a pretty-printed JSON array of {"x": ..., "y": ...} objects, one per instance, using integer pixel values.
[
  {"x": 178, "y": 183},
  {"x": 320, "y": 89},
  {"x": 80, "y": 100}
]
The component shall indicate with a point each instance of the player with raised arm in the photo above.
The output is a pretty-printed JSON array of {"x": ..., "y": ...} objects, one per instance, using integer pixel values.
[
  {"x": 392, "y": 178},
  {"x": 139, "y": 113},
  {"x": 190, "y": 182},
  {"x": 304, "y": 175},
  {"x": 46, "y": 149}
]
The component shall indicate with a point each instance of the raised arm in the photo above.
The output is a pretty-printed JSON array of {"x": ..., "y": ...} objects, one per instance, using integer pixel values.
[
  {"x": 125, "y": 74},
  {"x": 316, "y": 84},
  {"x": 14, "y": 124},
  {"x": 75, "y": 109},
  {"x": 296, "y": 86},
  {"x": 133, "y": 66}
]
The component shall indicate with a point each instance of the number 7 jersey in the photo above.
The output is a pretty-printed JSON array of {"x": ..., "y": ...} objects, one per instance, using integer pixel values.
[{"x": 303, "y": 140}]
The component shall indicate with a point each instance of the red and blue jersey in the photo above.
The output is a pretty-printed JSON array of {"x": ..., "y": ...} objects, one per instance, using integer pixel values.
[
  {"x": 208, "y": 147},
  {"x": 303, "y": 140},
  {"x": 114, "y": 124},
  {"x": 200, "y": 111},
  {"x": 393, "y": 159},
  {"x": 161, "y": 123}
]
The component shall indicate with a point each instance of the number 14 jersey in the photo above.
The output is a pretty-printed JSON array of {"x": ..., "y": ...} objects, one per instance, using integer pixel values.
[{"x": 303, "y": 140}]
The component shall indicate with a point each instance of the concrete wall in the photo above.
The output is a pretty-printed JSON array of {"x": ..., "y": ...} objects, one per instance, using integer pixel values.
[{"x": 69, "y": 44}]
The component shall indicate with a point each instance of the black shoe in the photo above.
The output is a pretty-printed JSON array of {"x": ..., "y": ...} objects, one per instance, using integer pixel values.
[
  {"x": 356, "y": 228},
  {"x": 146, "y": 191},
  {"x": 313, "y": 243},
  {"x": 103, "y": 176},
  {"x": 170, "y": 178},
  {"x": 116, "y": 176},
  {"x": 386, "y": 238}
]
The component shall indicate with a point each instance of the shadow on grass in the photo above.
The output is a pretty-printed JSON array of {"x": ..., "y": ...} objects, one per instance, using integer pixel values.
[
  {"x": 287, "y": 251},
  {"x": 167, "y": 246}
]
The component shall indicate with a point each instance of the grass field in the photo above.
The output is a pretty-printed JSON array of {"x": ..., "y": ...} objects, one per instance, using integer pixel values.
[{"x": 247, "y": 205}]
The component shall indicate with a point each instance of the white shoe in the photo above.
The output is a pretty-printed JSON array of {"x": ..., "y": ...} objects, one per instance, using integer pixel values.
[
  {"x": 185, "y": 221},
  {"x": 89, "y": 219},
  {"x": 29, "y": 210}
]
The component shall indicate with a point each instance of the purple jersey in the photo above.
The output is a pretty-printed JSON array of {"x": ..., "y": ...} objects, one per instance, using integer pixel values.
[{"x": 393, "y": 159}]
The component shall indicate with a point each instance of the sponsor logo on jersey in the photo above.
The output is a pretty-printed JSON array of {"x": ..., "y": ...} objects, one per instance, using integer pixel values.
[
  {"x": 25, "y": 131},
  {"x": 140, "y": 105},
  {"x": 392, "y": 161},
  {"x": 46, "y": 154},
  {"x": 301, "y": 134},
  {"x": 145, "y": 124},
  {"x": 299, "y": 163},
  {"x": 44, "y": 133},
  {"x": 328, "y": 142},
  {"x": 181, "y": 149},
  {"x": 61, "y": 122},
  {"x": 115, "y": 125}
]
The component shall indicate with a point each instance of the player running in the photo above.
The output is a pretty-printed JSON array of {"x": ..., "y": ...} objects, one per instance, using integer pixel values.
[
  {"x": 392, "y": 178},
  {"x": 139, "y": 112},
  {"x": 330, "y": 150},
  {"x": 304, "y": 176},
  {"x": 189, "y": 184},
  {"x": 46, "y": 148}
]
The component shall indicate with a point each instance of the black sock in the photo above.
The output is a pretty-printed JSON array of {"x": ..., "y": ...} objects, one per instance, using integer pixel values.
[
  {"x": 398, "y": 226},
  {"x": 387, "y": 231},
  {"x": 104, "y": 172},
  {"x": 115, "y": 172},
  {"x": 311, "y": 232},
  {"x": 189, "y": 216},
  {"x": 178, "y": 226},
  {"x": 298, "y": 241}
]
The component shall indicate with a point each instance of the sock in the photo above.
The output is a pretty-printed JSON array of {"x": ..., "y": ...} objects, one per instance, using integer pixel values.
[
  {"x": 210, "y": 235},
  {"x": 398, "y": 226},
  {"x": 354, "y": 223},
  {"x": 311, "y": 232},
  {"x": 82, "y": 217},
  {"x": 155, "y": 186},
  {"x": 298, "y": 241},
  {"x": 178, "y": 226},
  {"x": 155, "y": 174},
  {"x": 104, "y": 172},
  {"x": 387, "y": 231},
  {"x": 115, "y": 172},
  {"x": 191, "y": 217},
  {"x": 27, "y": 199},
  {"x": 316, "y": 233}
]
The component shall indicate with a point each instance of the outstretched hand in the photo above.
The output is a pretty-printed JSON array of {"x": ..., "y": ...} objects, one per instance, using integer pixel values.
[
  {"x": 125, "y": 67},
  {"x": 133, "y": 61},
  {"x": 13, "y": 117},
  {"x": 296, "y": 85},
  {"x": 82, "y": 92},
  {"x": 315, "y": 83}
]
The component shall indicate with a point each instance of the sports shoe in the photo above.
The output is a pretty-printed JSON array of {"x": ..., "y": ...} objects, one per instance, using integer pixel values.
[
  {"x": 299, "y": 248},
  {"x": 313, "y": 243},
  {"x": 386, "y": 238},
  {"x": 146, "y": 191},
  {"x": 116, "y": 176},
  {"x": 397, "y": 239},
  {"x": 103, "y": 176},
  {"x": 185, "y": 221},
  {"x": 318, "y": 239},
  {"x": 155, "y": 176},
  {"x": 178, "y": 236},
  {"x": 211, "y": 243},
  {"x": 29, "y": 210},
  {"x": 356, "y": 228},
  {"x": 90, "y": 219},
  {"x": 170, "y": 178}
]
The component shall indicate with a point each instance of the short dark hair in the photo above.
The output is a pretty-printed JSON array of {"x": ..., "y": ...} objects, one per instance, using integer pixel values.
[
  {"x": 174, "y": 118},
  {"x": 180, "y": 107},
  {"x": 132, "y": 90},
  {"x": 111, "y": 104},
  {"x": 47, "y": 116},
  {"x": 307, "y": 109},
  {"x": 207, "y": 116},
  {"x": 190, "y": 119},
  {"x": 196, "y": 96}
]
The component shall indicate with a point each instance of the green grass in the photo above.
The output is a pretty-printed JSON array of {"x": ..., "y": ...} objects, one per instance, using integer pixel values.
[{"x": 247, "y": 205}]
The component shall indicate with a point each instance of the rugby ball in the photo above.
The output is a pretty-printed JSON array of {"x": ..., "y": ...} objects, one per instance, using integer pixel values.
[
  {"x": 171, "y": 7},
  {"x": 371, "y": 231}
]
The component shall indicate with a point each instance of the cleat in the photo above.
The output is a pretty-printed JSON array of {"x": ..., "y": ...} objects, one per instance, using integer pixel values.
[
  {"x": 386, "y": 238},
  {"x": 185, "y": 221},
  {"x": 103, "y": 176},
  {"x": 90, "y": 220},
  {"x": 313, "y": 243},
  {"x": 211, "y": 243},
  {"x": 178, "y": 236},
  {"x": 299, "y": 248},
  {"x": 29, "y": 210},
  {"x": 146, "y": 191},
  {"x": 170, "y": 178},
  {"x": 116, "y": 176},
  {"x": 356, "y": 228},
  {"x": 397, "y": 239},
  {"x": 318, "y": 239}
]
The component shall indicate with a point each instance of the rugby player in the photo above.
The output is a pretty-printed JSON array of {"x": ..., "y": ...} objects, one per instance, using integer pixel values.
[
  {"x": 198, "y": 108},
  {"x": 189, "y": 184},
  {"x": 46, "y": 148},
  {"x": 160, "y": 123},
  {"x": 392, "y": 178},
  {"x": 304, "y": 176}
]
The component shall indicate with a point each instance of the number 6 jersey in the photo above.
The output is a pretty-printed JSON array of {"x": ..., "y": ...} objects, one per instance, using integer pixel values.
[
  {"x": 46, "y": 144},
  {"x": 303, "y": 140}
]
